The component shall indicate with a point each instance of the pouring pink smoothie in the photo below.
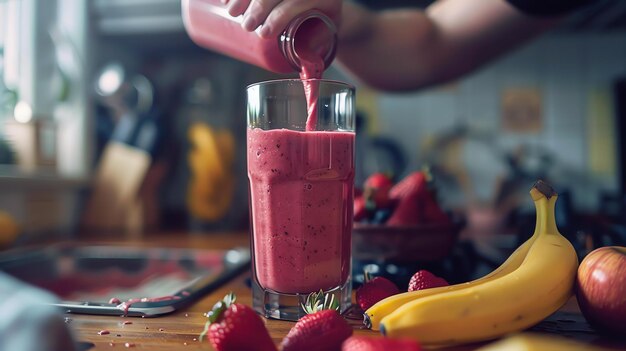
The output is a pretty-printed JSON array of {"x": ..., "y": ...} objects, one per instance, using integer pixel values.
[{"x": 300, "y": 186}]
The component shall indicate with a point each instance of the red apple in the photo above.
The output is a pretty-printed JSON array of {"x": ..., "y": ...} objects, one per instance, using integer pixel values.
[{"x": 601, "y": 289}]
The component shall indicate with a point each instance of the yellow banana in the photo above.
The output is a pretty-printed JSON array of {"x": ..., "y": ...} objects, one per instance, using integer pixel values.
[
  {"x": 513, "y": 302},
  {"x": 538, "y": 342},
  {"x": 9, "y": 230},
  {"x": 212, "y": 184},
  {"x": 375, "y": 314}
]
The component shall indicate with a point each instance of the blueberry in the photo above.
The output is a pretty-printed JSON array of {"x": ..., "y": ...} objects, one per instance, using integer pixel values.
[{"x": 381, "y": 216}]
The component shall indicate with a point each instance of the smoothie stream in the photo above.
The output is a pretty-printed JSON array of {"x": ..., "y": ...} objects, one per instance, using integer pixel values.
[
  {"x": 301, "y": 189},
  {"x": 310, "y": 52}
]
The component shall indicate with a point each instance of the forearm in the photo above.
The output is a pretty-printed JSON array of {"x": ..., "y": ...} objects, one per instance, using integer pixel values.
[
  {"x": 411, "y": 49},
  {"x": 380, "y": 48}
]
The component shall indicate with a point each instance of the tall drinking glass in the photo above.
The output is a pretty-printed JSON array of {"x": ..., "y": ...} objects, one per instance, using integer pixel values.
[{"x": 301, "y": 193}]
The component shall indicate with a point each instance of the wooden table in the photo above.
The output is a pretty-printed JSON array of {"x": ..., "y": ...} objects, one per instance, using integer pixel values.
[{"x": 180, "y": 330}]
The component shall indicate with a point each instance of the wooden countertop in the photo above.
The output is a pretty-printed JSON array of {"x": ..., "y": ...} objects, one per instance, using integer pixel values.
[{"x": 181, "y": 330}]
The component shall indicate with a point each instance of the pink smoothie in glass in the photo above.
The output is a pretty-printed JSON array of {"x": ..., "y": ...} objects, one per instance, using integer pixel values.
[{"x": 301, "y": 192}]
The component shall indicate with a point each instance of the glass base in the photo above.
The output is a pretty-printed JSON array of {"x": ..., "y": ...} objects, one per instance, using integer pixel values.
[{"x": 276, "y": 305}]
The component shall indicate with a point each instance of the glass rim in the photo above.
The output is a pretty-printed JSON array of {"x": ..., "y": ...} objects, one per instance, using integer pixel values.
[{"x": 298, "y": 80}]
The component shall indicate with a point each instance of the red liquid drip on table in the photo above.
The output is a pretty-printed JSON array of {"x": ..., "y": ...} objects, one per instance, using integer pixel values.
[{"x": 125, "y": 306}]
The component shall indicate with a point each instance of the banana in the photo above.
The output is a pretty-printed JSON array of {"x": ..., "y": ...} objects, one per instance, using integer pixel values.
[
  {"x": 537, "y": 288},
  {"x": 375, "y": 314},
  {"x": 538, "y": 342},
  {"x": 211, "y": 187}
]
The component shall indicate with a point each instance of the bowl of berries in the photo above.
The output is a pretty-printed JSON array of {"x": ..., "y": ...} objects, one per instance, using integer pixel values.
[{"x": 402, "y": 222}]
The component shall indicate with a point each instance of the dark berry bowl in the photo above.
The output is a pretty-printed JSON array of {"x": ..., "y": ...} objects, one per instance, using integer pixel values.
[{"x": 426, "y": 242}]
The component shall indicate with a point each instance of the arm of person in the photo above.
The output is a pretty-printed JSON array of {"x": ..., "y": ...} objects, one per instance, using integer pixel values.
[{"x": 405, "y": 49}]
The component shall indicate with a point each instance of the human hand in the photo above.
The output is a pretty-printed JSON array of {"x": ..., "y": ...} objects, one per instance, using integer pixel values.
[{"x": 273, "y": 15}]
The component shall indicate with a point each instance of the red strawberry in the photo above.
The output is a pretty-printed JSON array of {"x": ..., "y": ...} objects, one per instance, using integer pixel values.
[
  {"x": 379, "y": 181},
  {"x": 416, "y": 202},
  {"x": 365, "y": 343},
  {"x": 408, "y": 195},
  {"x": 375, "y": 290},
  {"x": 432, "y": 212},
  {"x": 360, "y": 212},
  {"x": 411, "y": 184},
  {"x": 376, "y": 191},
  {"x": 235, "y": 327},
  {"x": 320, "y": 330},
  {"x": 408, "y": 211},
  {"x": 324, "y": 331},
  {"x": 423, "y": 279}
]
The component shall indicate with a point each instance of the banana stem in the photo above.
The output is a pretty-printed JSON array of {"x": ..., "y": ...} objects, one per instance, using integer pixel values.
[
  {"x": 542, "y": 189},
  {"x": 545, "y": 198}
]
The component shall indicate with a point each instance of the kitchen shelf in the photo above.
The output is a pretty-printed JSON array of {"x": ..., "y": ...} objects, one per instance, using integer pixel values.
[
  {"x": 13, "y": 179},
  {"x": 122, "y": 17}
]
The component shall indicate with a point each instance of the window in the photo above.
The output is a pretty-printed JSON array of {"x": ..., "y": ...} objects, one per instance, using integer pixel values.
[{"x": 43, "y": 101}]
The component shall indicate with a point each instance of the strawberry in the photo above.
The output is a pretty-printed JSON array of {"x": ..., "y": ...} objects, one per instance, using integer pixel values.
[
  {"x": 416, "y": 203},
  {"x": 360, "y": 212},
  {"x": 365, "y": 343},
  {"x": 408, "y": 193},
  {"x": 323, "y": 329},
  {"x": 235, "y": 327},
  {"x": 423, "y": 279},
  {"x": 374, "y": 290},
  {"x": 408, "y": 211},
  {"x": 432, "y": 212},
  {"x": 376, "y": 191},
  {"x": 411, "y": 184},
  {"x": 379, "y": 181}
]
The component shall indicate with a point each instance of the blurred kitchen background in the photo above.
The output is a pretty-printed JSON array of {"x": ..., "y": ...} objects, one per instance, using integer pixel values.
[{"x": 113, "y": 121}]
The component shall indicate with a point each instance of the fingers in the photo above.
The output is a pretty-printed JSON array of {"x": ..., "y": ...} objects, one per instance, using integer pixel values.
[
  {"x": 280, "y": 16},
  {"x": 257, "y": 13},
  {"x": 273, "y": 15},
  {"x": 237, "y": 7}
]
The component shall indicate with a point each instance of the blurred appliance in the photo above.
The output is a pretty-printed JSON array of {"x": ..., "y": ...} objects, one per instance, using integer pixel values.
[{"x": 115, "y": 201}]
